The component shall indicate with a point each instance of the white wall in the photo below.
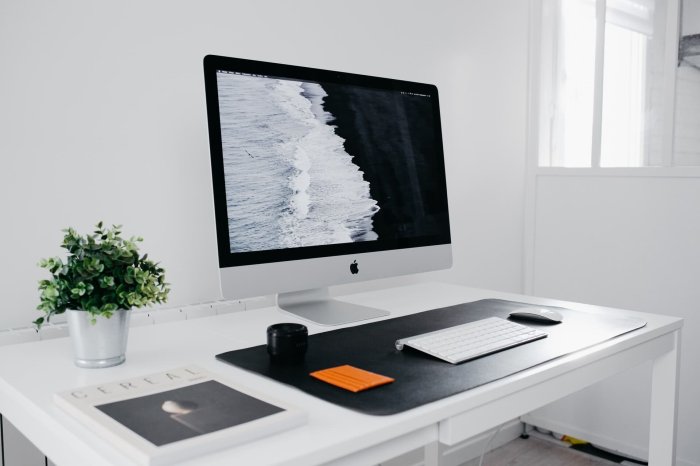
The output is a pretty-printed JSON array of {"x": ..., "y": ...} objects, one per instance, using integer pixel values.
[
  {"x": 487, "y": 145},
  {"x": 690, "y": 21},
  {"x": 103, "y": 117},
  {"x": 629, "y": 242}
]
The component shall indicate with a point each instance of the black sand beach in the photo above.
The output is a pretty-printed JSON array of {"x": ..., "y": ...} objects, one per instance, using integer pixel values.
[{"x": 391, "y": 138}]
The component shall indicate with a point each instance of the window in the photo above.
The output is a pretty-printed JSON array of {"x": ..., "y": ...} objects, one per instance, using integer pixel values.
[
  {"x": 603, "y": 91},
  {"x": 687, "y": 116}
]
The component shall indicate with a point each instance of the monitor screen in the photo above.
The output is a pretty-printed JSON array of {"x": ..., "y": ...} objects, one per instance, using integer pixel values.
[{"x": 311, "y": 163}]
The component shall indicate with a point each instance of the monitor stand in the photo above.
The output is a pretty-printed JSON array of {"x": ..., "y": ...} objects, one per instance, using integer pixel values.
[{"x": 317, "y": 306}]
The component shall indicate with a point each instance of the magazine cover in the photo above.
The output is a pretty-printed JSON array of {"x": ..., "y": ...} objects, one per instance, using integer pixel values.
[{"x": 177, "y": 414}]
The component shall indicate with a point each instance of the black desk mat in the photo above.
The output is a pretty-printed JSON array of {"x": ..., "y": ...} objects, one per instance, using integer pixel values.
[{"x": 420, "y": 378}]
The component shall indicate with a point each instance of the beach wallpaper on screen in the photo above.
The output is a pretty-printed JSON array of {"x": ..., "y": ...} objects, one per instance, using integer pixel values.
[{"x": 310, "y": 164}]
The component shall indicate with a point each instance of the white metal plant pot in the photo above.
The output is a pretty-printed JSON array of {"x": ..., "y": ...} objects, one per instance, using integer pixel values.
[{"x": 102, "y": 344}]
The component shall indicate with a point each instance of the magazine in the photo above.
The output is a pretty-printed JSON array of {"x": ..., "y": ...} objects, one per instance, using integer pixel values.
[{"x": 177, "y": 414}]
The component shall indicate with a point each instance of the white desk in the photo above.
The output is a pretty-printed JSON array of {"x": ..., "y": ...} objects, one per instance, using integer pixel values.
[{"x": 30, "y": 373}]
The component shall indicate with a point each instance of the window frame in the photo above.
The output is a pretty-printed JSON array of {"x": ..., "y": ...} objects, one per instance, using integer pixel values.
[{"x": 538, "y": 133}]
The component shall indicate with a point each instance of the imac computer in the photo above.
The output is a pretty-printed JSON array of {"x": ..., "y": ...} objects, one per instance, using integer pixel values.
[{"x": 322, "y": 178}]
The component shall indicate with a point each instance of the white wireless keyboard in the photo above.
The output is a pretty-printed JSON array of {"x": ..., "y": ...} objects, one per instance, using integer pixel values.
[{"x": 472, "y": 340}]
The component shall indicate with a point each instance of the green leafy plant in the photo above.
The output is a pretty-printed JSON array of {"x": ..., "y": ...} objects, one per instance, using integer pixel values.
[{"x": 102, "y": 273}]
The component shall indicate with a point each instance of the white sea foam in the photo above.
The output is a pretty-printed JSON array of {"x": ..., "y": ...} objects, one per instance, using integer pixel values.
[
  {"x": 315, "y": 93},
  {"x": 289, "y": 181}
]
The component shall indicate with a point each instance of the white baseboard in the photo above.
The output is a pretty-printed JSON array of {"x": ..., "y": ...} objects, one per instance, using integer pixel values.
[{"x": 640, "y": 452}]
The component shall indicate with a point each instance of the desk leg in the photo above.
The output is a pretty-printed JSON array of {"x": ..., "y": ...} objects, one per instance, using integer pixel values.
[
  {"x": 431, "y": 454},
  {"x": 664, "y": 407}
]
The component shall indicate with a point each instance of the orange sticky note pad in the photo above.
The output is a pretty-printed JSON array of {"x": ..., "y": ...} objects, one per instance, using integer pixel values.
[{"x": 351, "y": 378}]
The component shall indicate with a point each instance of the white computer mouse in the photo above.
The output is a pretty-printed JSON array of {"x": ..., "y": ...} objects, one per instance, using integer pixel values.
[{"x": 537, "y": 314}]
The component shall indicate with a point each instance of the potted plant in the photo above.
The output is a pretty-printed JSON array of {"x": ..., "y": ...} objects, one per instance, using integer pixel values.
[{"x": 101, "y": 280}]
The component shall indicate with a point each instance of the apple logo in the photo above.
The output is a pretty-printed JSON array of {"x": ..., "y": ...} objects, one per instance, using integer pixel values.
[{"x": 353, "y": 268}]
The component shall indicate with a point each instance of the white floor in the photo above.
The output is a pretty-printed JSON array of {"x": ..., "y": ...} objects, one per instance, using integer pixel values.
[{"x": 538, "y": 450}]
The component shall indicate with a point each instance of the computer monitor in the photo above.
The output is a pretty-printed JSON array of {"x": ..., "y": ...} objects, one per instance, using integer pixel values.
[{"x": 322, "y": 178}]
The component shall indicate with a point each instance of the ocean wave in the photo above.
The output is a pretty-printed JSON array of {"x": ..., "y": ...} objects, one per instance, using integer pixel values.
[{"x": 289, "y": 180}]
